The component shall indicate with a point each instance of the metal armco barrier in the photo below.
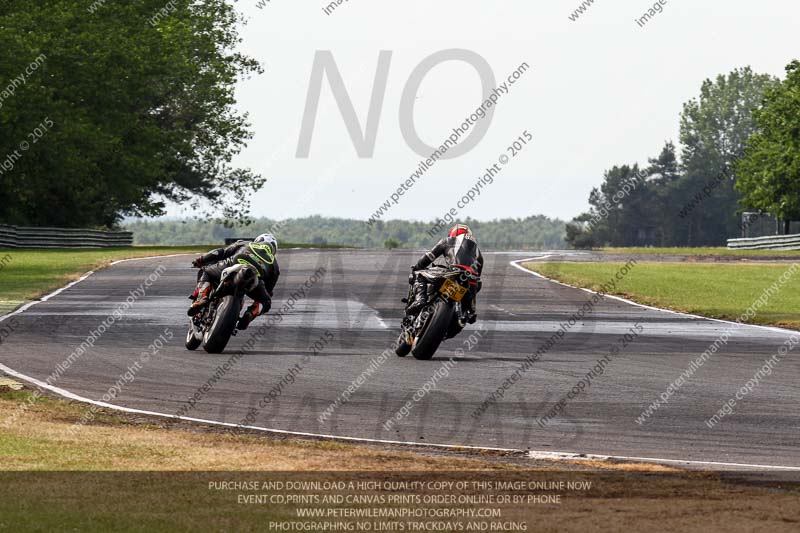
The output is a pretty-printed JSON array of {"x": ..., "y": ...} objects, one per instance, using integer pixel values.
[
  {"x": 23, "y": 237},
  {"x": 774, "y": 242}
]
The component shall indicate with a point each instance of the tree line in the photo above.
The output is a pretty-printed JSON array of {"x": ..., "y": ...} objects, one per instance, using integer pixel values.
[
  {"x": 111, "y": 109},
  {"x": 739, "y": 150},
  {"x": 535, "y": 232}
]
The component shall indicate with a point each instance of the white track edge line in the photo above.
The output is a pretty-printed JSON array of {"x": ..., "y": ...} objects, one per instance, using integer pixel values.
[
  {"x": 575, "y": 456},
  {"x": 543, "y": 455},
  {"x": 28, "y": 305},
  {"x": 82, "y": 399},
  {"x": 531, "y": 454},
  {"x": 67, "y": 394},
  {"x": 774, "y": 329},
  {"x": 551, "y": 456}
]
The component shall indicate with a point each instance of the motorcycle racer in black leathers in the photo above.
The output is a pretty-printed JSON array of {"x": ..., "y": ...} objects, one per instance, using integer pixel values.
[
  {"x": 261, "y": 254},
  {"x": 458, "y": 248}
]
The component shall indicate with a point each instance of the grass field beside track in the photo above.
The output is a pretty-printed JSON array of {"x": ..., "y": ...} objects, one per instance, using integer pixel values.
[
  {"x": 40, "y": 441},
  {"x": 28, "y": 274},
  {"x": 133, "y": 473},
  {"x": 705, "y": 251},
  {"x": 716, "y": 290},
  {"x": 128, "y": 473}
]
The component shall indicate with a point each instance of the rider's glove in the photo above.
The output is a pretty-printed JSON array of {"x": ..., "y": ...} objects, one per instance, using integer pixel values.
[{"x": 197, "y": 263}]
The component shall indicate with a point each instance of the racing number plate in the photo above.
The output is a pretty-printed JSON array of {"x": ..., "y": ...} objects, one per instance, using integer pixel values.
[{"x": 453, "y": 290}]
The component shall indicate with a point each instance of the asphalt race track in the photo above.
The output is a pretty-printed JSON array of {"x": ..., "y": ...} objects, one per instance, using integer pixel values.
[{"x": 356, "y": 308}]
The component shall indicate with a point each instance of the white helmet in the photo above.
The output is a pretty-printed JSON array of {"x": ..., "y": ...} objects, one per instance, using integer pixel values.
[{"x": 268, "y": 238}]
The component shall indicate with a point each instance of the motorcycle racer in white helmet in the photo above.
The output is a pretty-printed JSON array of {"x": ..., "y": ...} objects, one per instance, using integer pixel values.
[{"x": 261, "y": 253}]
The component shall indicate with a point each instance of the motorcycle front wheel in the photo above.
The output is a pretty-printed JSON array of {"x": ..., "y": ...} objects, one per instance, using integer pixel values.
[
  {"x": 193, "y": 342},
  {"x": 403, "y": 348}
]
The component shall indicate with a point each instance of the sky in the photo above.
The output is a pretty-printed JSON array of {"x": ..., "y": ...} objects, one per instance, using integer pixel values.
[{"x": 601, "y": 90}]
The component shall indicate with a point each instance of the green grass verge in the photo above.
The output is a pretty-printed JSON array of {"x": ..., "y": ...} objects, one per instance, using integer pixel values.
[
  {"x": 703, "y": 251},
  {"x": 28, "y": 274},
  {"x": 49, "y": 480},
  {"x": 712, "y": 290},
  {"x": 123, "y": 473}
]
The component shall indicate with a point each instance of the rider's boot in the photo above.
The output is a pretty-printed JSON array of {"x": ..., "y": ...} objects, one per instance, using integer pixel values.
[
  {"x": 252, "y": 312},
  {"x": 203, "y": 291},
  {"x": 420, "y": 298}
]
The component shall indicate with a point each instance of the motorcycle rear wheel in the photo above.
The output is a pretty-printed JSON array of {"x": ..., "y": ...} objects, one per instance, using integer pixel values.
[
  {"x": 219, "y": 333},
  {"x": 434, "y": 333}
]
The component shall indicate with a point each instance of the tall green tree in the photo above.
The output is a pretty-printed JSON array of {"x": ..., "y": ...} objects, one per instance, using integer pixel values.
[
  {"x": 689, "y": 201},
  {"x": 618, "y": 211},
  {"x": 662, "y": 195},
  {"x": 133, "y": 106},
  {"x": 769, "y": 173},
  {"x": 714, "y": 129}
]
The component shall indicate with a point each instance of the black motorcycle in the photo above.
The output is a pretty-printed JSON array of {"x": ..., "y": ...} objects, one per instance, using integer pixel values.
[
  {"x": 214, "y": 326},
  {"x": 442, "y": 317}
]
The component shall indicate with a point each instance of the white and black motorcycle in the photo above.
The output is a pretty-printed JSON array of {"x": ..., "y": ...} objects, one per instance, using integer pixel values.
[{"x": 214, "y": 326}]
